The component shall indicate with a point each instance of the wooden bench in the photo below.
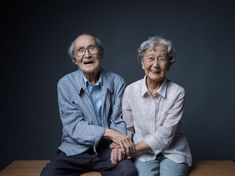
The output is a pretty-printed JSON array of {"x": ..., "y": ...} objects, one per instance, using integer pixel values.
[
  {"x": 31, "y": 168},
  {"x": 200, "y": 168}
]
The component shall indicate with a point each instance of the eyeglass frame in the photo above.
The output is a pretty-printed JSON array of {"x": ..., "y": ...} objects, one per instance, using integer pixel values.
[
  {"x": 92, "y": 49},
  {"x": 160, "y": 59}
]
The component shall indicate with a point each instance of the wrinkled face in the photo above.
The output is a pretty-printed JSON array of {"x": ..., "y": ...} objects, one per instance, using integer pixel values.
[
  {"x": 155, "y": 63},
  {"x": 87, "y": 55}
]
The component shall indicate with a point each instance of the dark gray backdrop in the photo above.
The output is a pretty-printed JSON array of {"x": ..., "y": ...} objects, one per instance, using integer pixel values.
[{"x": 34, "y": 41}]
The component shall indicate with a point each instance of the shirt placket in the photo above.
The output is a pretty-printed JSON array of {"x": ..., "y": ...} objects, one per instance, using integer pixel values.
[
  {"x": 156, "y": 105},
  {"x": 152, "y": 117}
]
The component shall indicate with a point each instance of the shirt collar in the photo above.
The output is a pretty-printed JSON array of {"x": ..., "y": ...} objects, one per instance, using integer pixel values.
[
  {"x": 106, "y": 81},
  {"x": 161, "y": 91},
  {"x": 87, "y": 83}
]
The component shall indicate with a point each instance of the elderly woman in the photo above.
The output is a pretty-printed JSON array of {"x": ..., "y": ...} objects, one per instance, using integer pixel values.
[{"x": 152, "y": 108}]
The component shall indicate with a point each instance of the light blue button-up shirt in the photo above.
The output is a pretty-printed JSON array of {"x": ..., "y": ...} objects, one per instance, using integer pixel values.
[{"x": 95, "y": 95}]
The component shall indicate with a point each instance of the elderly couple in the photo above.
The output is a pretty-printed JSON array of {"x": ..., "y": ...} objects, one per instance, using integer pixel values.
[{"x": 118, "y": 130}]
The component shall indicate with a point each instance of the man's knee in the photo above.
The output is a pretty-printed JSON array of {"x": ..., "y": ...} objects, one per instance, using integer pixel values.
[
  {"x": 127, "y": 168},
  {"x": 44, "y": 171},
  {"x": 131, "y": 171},
  {"x": 48, "y": 171}
]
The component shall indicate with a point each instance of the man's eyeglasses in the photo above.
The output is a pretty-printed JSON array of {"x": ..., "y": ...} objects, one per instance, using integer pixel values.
[{"x": 81, "y": 51}]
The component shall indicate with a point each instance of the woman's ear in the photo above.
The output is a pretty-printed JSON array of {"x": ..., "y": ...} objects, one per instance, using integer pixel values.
[{"x": 142, "y": 64}]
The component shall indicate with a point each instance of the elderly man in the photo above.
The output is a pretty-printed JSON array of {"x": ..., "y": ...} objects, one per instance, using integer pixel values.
[{"x": 90, "y": 110}]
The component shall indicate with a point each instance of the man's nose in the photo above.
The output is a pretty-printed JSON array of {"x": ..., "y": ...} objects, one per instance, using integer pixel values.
[{"x": 87, "y": 53}]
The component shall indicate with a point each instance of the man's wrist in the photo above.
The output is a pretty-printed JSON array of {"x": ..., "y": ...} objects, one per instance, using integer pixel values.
[{"x": 107, "y": 133}]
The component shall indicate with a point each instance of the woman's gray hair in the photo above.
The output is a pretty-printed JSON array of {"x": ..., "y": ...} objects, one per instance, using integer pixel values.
[
  {"x": 71, "y": 48},
  {"x": 152, "y": 42}
]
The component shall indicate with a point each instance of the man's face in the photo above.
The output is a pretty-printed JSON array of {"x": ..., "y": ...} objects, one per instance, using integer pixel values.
[{"x": 87, "y": 55}]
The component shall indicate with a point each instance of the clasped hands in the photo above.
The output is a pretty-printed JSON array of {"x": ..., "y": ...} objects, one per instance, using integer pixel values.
[{"x": 122, "y": 146}]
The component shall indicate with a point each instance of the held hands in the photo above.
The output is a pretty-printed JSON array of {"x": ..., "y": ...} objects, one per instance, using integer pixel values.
[
  {"x": 117, "y": 155},
  {"x": 122, "y": 146}
]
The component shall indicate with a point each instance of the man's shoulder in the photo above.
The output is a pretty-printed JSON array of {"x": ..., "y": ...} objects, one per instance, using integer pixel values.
[
  {"x": 70, "y": 77},
  {"x": 111, "y": 76}
]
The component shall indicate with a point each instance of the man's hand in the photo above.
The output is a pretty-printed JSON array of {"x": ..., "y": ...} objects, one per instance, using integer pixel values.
[
  {"x": 124, "y": 142},
  {"x": 114, "y": 145}
]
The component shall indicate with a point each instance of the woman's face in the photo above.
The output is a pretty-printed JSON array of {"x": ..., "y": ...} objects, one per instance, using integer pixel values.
[{"x": 155, "y": 63}]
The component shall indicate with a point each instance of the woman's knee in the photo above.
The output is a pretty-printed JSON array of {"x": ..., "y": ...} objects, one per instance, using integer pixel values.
[
  {"x": 148, "y": 168},
  {"x": 171, "y": 168}
]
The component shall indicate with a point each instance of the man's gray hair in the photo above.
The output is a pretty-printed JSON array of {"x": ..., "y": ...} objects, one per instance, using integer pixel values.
[
  {"x": 152, "y": 42},
  {"x": 71, "y": 48}
]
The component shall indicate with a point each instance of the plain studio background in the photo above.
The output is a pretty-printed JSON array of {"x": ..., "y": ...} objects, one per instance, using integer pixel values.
[{"x": 34, "y": 41}]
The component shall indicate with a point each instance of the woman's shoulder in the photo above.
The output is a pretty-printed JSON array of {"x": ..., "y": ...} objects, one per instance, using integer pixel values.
[
  {"x": 136, "y": 84},
  {"x": 174, "y": 87}
]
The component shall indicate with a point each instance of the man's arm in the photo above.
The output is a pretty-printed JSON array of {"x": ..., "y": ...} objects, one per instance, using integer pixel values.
[
  {"x": 116, "y": 121},
  {"x": 77, "y": 127},
  {"x": 72, "y": 118}
]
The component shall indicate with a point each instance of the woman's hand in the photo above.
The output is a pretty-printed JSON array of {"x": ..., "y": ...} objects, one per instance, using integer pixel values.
[{"x": 117, "y": 155}]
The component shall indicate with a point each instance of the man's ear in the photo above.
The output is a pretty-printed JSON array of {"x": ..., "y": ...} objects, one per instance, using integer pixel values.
[{"x": 74, "y": 61}]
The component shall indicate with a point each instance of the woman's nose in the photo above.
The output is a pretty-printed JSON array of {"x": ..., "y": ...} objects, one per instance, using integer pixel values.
[{"x": 156, "y": 62}]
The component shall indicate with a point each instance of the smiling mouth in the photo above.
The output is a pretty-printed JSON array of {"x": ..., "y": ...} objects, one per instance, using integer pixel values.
[{"x": 156, "y": 71}]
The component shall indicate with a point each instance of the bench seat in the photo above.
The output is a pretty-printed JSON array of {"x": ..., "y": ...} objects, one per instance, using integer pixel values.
[{"x": 200, "y": 168}]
